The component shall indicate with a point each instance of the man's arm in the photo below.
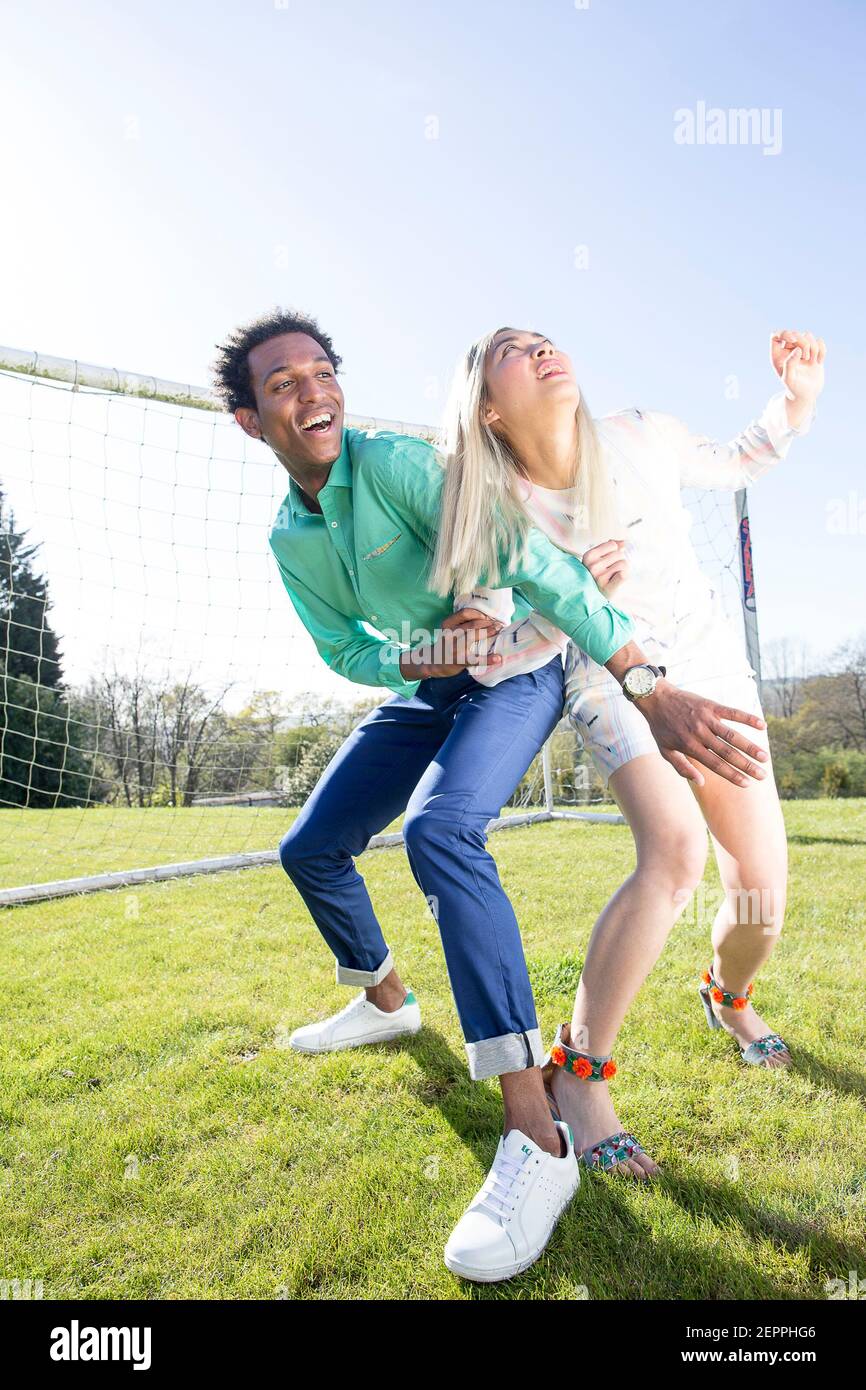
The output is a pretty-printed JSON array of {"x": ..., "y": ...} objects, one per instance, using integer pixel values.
[
  {"x": 690, "y": 729},
  {"x": 344, "y": 643}
]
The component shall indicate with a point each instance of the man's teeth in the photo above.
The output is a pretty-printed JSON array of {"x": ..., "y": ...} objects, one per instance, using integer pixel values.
[{"x": 317, "y": 420}]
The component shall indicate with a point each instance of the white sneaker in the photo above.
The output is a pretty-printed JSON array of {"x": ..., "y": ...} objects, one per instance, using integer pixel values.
[
  {"x": 360, "y": 1022},
  {"x": 512, "y": 1217}
]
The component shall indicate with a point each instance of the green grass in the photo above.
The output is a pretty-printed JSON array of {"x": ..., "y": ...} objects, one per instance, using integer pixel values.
[
  {"x": 42, "y": 846},
  {"x": 158, "y": 1139}
]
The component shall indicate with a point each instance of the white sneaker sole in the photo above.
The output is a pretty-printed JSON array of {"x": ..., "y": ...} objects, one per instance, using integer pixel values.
[
  {"x": 491, "y": 1276},
  {"x": 387, "y": 1035},
  {"x": 486, "y": 1276}
]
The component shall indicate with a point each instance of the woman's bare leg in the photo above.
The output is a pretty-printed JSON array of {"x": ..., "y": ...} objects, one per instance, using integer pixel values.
[
  {"x": 626, "y": 941},
  {"x": 748, "y": 833}
]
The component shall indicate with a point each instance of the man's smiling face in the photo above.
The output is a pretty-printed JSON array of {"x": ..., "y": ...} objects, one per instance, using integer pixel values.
[{"x": 299, "y": 402}]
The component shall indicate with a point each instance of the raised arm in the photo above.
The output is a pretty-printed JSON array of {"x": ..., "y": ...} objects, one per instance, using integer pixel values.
[{"x": 798, "y": 360}]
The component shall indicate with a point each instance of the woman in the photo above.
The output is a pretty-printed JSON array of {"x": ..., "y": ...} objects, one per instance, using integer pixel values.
[{"x": 523, "y": 450}]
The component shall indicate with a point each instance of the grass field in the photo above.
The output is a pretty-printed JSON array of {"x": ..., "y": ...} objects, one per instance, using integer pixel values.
[{"x": 159, "y": 1140}]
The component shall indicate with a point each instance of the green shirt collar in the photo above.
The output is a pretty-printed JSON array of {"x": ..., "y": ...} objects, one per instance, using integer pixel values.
[{"x": 339, "y": 476}]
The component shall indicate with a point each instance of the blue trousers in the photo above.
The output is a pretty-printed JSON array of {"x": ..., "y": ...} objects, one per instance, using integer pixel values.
[{"x": 450, "y": 757}]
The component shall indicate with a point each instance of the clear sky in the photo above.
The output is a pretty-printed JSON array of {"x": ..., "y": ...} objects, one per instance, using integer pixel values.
[{"x": 415, "y": 174}]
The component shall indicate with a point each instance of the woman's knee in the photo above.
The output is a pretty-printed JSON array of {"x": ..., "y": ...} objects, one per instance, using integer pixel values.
[{"x": 676, "y": 854}]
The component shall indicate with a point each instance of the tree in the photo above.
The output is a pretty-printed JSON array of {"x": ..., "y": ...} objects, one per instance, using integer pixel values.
[
  {"x": 249, "y": 750},
  {"x": 28, "y": 644},
  {"x": 40, "y": 764},
  {"x": 122, "y": 709},
  {"x": 836, "y": 703},
  {"x": 191, "y": 725},
  {"x": 787, "y": 665}
]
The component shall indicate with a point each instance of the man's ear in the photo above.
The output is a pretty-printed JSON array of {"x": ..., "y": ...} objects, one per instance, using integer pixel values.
[{"x": 248, "y": 420}]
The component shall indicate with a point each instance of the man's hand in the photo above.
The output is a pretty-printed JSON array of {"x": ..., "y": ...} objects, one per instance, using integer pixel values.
[
  {"x": 798, "y": 358},
  {"x": 460, "y": 642},
  {"x": 607, "y": 564},
  {"x": 689, "y": 729}
]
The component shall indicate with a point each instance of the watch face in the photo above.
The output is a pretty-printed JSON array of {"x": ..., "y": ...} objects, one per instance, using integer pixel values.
[{"x": 640, "y": 681}]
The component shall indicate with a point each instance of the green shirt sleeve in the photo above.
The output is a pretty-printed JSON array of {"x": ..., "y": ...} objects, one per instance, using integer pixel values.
[
  {"x": 556, "y": 584},
  {"x": 344, "y": 643}
]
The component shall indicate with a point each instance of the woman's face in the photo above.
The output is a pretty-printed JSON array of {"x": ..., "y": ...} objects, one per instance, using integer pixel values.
[{"x": 526, "y": 378}]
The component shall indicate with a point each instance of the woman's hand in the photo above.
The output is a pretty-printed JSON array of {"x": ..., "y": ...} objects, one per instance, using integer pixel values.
[
  {"x": 607, "y": 564},
  {"x": 798, "y": 358}
]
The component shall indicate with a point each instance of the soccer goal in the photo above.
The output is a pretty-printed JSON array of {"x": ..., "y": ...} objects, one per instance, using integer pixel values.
[{"x": 161, "y": 706}]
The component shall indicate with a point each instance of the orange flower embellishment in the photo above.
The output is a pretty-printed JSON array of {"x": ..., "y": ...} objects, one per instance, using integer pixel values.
[
  {"x": 740, "y": 1003},
  {"x": 582, "y": 1068},
  {"x": 609, "y": 1069},
  {"x": 717, "y": 995},
  {"x": 706, "y": 977},
  {"x": 557, "y": 1056}
]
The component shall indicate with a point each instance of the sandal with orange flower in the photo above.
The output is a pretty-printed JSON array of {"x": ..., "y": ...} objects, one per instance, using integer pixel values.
[
  {"x": 616, "y": 1148},
  {"x": 757, "y": 1052}
]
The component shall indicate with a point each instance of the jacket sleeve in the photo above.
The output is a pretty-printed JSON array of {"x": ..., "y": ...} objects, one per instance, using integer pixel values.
[
  {"x": 706, "y": 463},
  {"x": 496, "y": 603},
  {"x": 344, "y": 643},
  {"x": 553, "y": 583}
]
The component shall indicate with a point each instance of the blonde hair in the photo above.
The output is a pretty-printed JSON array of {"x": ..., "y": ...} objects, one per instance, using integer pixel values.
[{"x": 482, "y": 515}]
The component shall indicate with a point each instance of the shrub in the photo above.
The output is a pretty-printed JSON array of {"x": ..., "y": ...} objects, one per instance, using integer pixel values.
[
  {"x": 835, "y": 781},
  {"x": 311, "y": 764},
  {"x": 788, "y": 784}
]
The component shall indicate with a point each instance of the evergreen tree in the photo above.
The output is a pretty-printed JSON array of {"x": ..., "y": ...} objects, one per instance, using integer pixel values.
[
  {"x": 39, "y": 763},
  {"x": 28, "y": 645}
]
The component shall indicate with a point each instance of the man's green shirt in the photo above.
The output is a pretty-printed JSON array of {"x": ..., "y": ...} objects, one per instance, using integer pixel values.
[{"x": 357, "y": 574}]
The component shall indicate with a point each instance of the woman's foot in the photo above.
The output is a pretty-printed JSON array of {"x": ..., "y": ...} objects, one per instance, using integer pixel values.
[
  {"x": 746, "y": 1026},
  {"x": 587, "y": 1108}
]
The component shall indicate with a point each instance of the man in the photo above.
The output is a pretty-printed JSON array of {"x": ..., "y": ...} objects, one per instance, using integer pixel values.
[{"x": 353, "y": 541}]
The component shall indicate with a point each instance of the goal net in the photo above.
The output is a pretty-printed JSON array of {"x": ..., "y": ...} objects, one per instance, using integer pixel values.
[{"x": 161, "y": 704}]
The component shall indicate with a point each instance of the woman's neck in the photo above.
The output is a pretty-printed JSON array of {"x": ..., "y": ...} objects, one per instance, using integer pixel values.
[{"x": 547, "y": 451}]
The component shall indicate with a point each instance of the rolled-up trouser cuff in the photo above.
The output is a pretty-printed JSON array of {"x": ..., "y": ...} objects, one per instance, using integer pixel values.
[
  {"x": 346, "y": 976},
  {"x": 510, "y": 1052}
]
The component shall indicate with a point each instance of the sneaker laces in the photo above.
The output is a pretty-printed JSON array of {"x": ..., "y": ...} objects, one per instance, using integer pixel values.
[
  {"x": 353, "y": 1007},
  {"x": 494, "y": 1195}
]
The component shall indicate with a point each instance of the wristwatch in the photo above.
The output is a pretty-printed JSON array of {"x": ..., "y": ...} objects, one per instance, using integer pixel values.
[{"x": 640, "y": 681}]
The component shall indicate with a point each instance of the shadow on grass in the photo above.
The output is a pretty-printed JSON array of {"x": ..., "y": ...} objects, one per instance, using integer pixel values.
[
  {"x": 824, "y": 840},
  {"x": 603, "y": 1246},
  {"x": 471, "y": 1108},
  {"x": 824, "y": 1073},
  {"x": 725, "y": 1203}
]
